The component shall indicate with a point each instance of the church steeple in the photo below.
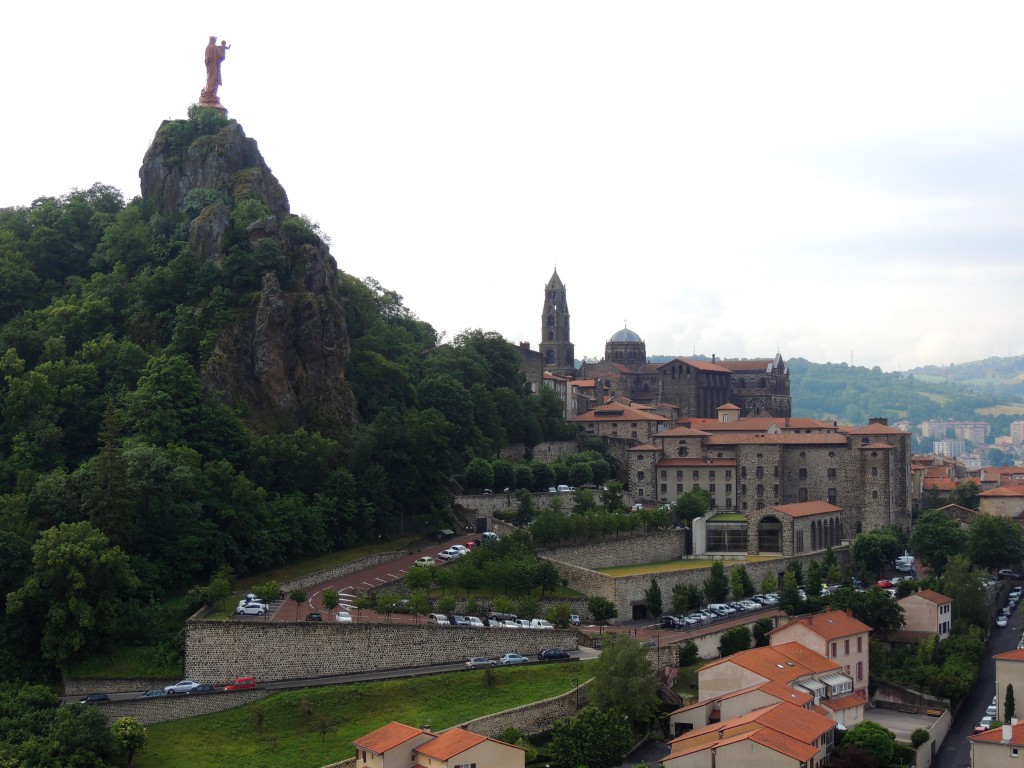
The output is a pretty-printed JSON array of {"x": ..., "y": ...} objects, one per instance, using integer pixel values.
[{"x": 556, "y": 347}]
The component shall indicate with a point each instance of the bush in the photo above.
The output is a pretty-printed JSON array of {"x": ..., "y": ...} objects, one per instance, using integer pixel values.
[
  {"x": 688, "y": 654},
  {"x": 919, "y": 737}
]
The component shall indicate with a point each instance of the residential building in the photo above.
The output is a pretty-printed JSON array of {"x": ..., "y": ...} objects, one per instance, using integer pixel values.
[
  {"x": 401, "y": 746},
  {"x": 1004, "y": 501},
  {"x": 999, "y": 747},
  {"x": 1009, "y": 671},
  {"x": 837, "y": 636},
  {"x": 926, "y": 613},
  {"x": 781, "y": 734}
]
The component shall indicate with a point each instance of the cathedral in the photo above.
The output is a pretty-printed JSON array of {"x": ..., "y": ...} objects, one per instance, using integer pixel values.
[{"x": 694, "y": 388}]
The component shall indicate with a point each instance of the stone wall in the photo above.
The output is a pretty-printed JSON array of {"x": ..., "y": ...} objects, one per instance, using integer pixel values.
[
  {"x": 657, "y": 547},
  {"x": 80, "y": 686},
  {"x": 165, "y": 708},
  {"x": 343, "y": 570},
  {"x": 219, "y": 651}
]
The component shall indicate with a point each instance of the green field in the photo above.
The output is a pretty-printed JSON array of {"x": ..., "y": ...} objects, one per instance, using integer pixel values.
[
  {"x": 676, "y": 565},
  {"x": 292, "y": 720},
  {"x": 1009, "y": 409}
]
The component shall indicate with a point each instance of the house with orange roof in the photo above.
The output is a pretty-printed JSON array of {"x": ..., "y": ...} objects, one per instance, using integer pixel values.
[
  {"x": 780, "y": 735},
  {"x": 999, "y": 747},
  {"x": 1003, "y": 501},
  {"x": 401, "y": 746},
  {"x": 836, "y": 635},
  {"x": 1009, "y": 671},
  {"x": 926, "y": 613}
]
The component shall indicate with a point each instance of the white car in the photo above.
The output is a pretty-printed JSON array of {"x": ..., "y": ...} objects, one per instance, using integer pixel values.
[
  {"x": 541, "y": 624},
  {"x": 462, "y": 549},
  {"x": 343, "y": 617},
  {"x": 448, "y": 554},
  {"x": 251, "y": 609},
  {"x": 513, "y": 658},
  {"x": 1001, "y": 621},
  {"x": 183, "y": 686},
  {"x": 475, "y": 622},
  {"x": 509, "y": 624},
  {"x": 750, "y": 605}
]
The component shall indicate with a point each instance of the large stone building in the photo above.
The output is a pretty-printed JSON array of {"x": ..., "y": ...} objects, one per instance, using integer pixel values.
[{"x": 556, "y": 348}]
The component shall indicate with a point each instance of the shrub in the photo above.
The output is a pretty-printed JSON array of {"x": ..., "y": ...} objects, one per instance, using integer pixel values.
[{"x": 919, "y": 737}]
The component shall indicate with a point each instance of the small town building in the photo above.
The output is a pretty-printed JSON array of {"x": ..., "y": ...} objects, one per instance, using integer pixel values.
[{"x": 396, "y": 745}]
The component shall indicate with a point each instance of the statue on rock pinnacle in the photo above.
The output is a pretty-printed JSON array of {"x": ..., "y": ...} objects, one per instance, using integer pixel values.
[{"x": 214, "y": 56}]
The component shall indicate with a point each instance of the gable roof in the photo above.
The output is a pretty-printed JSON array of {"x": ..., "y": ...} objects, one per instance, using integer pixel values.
[
  {"x": 932, "y": 596},
  {"x": 876, "y": 429},
  {"x": 806, "y": 508},
  {"x": 782, "y": 663},
  {"x": 995, "y": 736},
  {"x": 1008, "y": 491},
  {"x": 452, "y": 742},
  {"x": 614, "y": 411},
  {"x": 829, "y": 625},
  {"x": 387, "y": 737},
  {"x": 1016, "y": 655}
]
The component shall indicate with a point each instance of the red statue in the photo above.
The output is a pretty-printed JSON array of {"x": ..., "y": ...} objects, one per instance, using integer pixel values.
[{"x": 214, "y": 56}]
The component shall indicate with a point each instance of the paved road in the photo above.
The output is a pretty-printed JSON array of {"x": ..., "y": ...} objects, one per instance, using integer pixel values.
[{"x": 956, "y": 750}]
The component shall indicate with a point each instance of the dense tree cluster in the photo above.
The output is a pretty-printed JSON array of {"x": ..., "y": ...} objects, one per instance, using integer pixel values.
[{"x": 108, "y": 433}]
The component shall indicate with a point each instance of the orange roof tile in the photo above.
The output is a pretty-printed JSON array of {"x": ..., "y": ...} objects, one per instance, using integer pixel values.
[
  {"x": 939, "y": 483},
  {"x": 682, "y": 432},
  {"x": 806, "y": 508},
  {"x": 1007, "y": 491},
  {"x": 450, "y": 743},
  {"x": 930, "y": 594},
  {"x": 783, "y": 744},
  {"x": 387, "y": 737},
  {"x": 1016, "y": 655},
  {"x": 844, "y": 702},
  {"x": 758, "y": 365},
  {"x": 728, "y": 407},
  {"x": 995, "y": 735},
  {"x": 784, "y": 438},
  {"x": 617, "y": 412},
  {"x": 781, "y": 663},
  {"x": 829, "y": 625},
  {"x": 798, "y": 722}
]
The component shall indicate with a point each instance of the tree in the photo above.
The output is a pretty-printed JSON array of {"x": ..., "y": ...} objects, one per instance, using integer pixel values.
[
  {"x": 1009, "y": 705},
  {"x": 624, "y": 680},
  {"x": 742, "y": 586},
  {"x": 652, "y": 599},
  {"x": 267, "y": 592},
  {"x": 770, "y": 583},
  {"x": 873, "y": 551},
  {"x": 297, "y": 596},
  {"x": 966, "y": 495},
  {"x": 876, "y": 739},
  {"x": 559, "y": 614},
  {"x": 75, "y": 590},
  {"x": 479, "y": 474},
  {"x": 734, "y": 640},
  {"x": 936, "y": 538},
  {"x": 130, "y": 736},
  {"x": 419, "y": 602},
  {"x": 762, "y": 627},
  {"x": 602, "y": 609},
  {"x": 716, "y": 585},
  {"x": 853, "y": 756},
  {"x": 919, "y": 736},
  {"x": 874, "y": 607},
  {"x": 815, "y": 574},
  {"x": 962, "y": 583},
  {"x": 995, "y": 542},
  {"x": 594, "y": 738},
  {"x": 419, "y": 578},
  {"x": 789, "y": 599},
  {"x": 331, "y": 599},
  {"x": 691, "y": 505}
]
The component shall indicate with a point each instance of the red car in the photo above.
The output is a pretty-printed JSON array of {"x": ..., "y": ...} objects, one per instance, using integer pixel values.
[
  {"x": 885, "y": 584},
  {"x": 241, "y": 684}
]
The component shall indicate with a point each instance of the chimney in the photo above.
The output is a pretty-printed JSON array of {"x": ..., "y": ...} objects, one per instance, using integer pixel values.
[{"x": 1007, "y": 733}]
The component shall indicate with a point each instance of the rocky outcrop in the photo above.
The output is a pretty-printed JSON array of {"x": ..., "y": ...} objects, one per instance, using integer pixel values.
[{"x": 285, "y": 352}]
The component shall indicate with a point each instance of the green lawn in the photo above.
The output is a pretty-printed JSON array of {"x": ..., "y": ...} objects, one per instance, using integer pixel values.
[
  {"x": 676, "y": 565},
  {"x": 290, "y": 737}
]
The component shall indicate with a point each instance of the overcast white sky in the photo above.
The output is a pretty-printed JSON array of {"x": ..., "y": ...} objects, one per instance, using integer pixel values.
[{"x": 832, "y": 181}]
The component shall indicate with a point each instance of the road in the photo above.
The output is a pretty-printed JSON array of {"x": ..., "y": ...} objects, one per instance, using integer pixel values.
[{"x": 956, "y": 750}]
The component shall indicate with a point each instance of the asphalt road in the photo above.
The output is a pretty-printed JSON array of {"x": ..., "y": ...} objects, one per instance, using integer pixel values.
[{"x": 956, "y": 749}]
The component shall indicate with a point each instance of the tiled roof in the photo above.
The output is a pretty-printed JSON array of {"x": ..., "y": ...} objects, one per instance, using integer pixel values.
[
  {"x": 1017, "y": 655},
  {"x": 830, "y": 625},
  {"x": 387, "y": 737},
  {"x": 806, "y": 508},
  {"x": 617, "y": 412},
  {"x": 939, "y": 483},
  {"x": 784, "y": 438},
  {"x": 753, "y": 366},
  {"x": 682, "y": 432},
  {"x": 877, "y": 447},
  {"x": 785, "y": 693},
  {"x": 728, "y": 407},
  {"x": 783, "y": 744},
  {"x": 995, "y": 736},
  {"x": 781, "y": 663},
  {"x": 799, "y": 723},
  {"x": 935, "y": 597},
  {"x": 1008, "y": 491},
  {"x": 450, "y": 743},
  {"x": 759, "y": 424},
  {"x": 583, "y": 383},
  {"x": 844, "y": 702},
  {"x": 876, "y": 429}
]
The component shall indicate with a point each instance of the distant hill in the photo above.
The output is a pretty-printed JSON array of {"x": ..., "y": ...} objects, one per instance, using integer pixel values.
[{"x": 999, "y": 375}]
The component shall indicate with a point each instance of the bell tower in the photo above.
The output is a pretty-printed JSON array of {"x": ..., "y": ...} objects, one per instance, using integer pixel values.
[{"x": 555, "y": 347}]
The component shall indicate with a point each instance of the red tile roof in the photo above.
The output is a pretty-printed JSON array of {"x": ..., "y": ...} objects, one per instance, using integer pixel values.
[
  {"x": 758, "y": 424},
  {"x": 806, "y": 508},
  {"x": 682, "y": 432},
  {"x": 1007, "y": 491},
  {"x": 876, "y": 429},
  {"x": 387, "y": 737},
  {"x": 939, "y": 483},
  {"x": 844, "y": 702},
  {"x": 728, "y": 407},
  {"x": 995, "y": 736},
  {"x": 752, "y": 366},
  {"x": 933, "y": 596},
  {"x": 830, "y": 625},
  {"x": 1017, "y": 655},
  {"x": 617, "y": 412},
  {"x": 781, "y": 663},
  {"x": 450, "y": 743},
  {"x": 783, "y": 744}
]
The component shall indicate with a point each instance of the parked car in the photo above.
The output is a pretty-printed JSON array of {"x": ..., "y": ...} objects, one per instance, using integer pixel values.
[
  {"x": 696, "y": 618},
  {"x": 462, "y": 549},
  {"x": 204, "y": 688},
  {"x": 501, "y": 616},
  {"x": 523, "y": 623},
  {"x": 552, "y": 654},
  {"x": 750, "y": 605},
  {"x": 1006, "y": 573},
  {"x": 251, "y": 609},
  {"x": 241, "y": 684},
  {"x": 475, "y": 622},
  {"x": 314, "y": 616},
  {"x": 480, "y": 661},
  {"x": 986, "y": 722},
  {"x": 1001, "y": 620},
  {"x": 991, "y": 711},
  {"x": 448, "y": 554},
  {"x": 541, "y": 624},
  {"x": 343, "y": 617},
  {"x": 457, "y": 620},
  {"x": 156, "y": 693},
  {"x": 669, "y": 622},
  {"x": 182, "y": 686},
  {"x": 437, "y": 618},
  {"x": 94, "y": 698},
  {"x": 574, "y": 619},
  {"x": 489, "y": 536},
  {"x": 424, "y": 562},
  {"x": 512, "y": 624},
  {"x": 513, "y": 658}
]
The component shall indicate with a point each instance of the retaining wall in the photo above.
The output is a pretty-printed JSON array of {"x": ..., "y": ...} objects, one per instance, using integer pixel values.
[
  {"x": 217, "y": 651},
  {"x": 656, "y": 547},
  {"x": 343, "y": 570},
  {"x": 165, "y": 708},
  {"x": 79, "y": 686}
]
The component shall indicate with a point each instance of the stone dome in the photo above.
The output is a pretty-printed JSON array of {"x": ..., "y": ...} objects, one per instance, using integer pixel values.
[{"x": 626, "y": 335}]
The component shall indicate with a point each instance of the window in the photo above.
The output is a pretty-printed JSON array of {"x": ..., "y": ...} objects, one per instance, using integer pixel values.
[
  {"x": 728, "y": 487},
  {"x": 728, "y": 502},
  {"x": 696, "y": 474},
  {"x": 663, "y": 473},
  {"x": 679, "y": 487},
  {"x": 799, "y": 541},
  {"x": 833, "y": 498},
  {"x": 639, "y": 475},
  {"x": 831, "y": 473},
  {"x": 711, "y": 474},
  {"x": 743, "y": 472},
  {"x": 728, "y": 474},
  {"x": 664, "y": 488},
  {"x": 801, "y": 494},
  {"x": 860, "y": 645},
  {"x": 759, "y": 472},
  {"x": 874, "y": 471},
  {"x": 679, "y": 474},
  {"x": 846, "y": 650},
  {"x": 874, "y": 494},
  {"x": 834, "y": 653},
  {"x": 711, "y": 489},
  {"x": 760, "y": 490},
  {"x": 860, "y": 670}
]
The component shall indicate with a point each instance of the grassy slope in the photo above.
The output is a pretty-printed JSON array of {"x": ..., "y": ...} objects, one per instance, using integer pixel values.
[
  {"x": 290, "y": 739},
  {"x": 672, "y": 565}
]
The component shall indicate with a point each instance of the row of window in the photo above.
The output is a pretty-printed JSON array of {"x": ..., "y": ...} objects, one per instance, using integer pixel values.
[
  {"x": 846, "y": 647},
  {"x": 696, "y": 474}
]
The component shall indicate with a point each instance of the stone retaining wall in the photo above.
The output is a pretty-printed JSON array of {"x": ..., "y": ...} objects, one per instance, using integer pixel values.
[
  {"x": 216, "y": 651},
  {"x": 79, "y": 686},
  {"x": 343, "y": 570},
  {"x": 656, "y": 547},
  {"x": 166, "y": 708}
]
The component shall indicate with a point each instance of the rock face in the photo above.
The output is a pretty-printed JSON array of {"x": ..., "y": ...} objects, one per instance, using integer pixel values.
[{"x": 284, "y": 354}]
